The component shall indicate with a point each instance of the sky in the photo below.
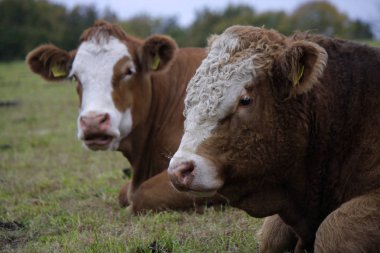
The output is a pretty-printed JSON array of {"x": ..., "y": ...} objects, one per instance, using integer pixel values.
[{"x": 185, "y": 10}]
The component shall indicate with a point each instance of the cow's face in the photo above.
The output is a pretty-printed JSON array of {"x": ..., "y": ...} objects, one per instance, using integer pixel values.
[
  {"x": 241, "y": 111},
  {"x": 111, "y": 71},
  {"x": 101, "y": 124}
]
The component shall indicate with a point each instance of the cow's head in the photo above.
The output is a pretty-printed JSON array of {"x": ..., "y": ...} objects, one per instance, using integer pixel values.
[
  {"x": 111, "y": 70},
  {"x": 244, "y": 122}
]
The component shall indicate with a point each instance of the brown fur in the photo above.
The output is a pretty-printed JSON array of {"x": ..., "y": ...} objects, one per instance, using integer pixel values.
[
  {"x": 275, "y": 236},
  {"x": 41, "y": 60},
  {"x": 156, "y": 97},
  {"x": 161, "y": 46},
  {"x": 158, "y": 126},
  {"x": 104, "y": 30},
  {"x": 122, "y": 94},
  {"x": 309, "y": 151}
]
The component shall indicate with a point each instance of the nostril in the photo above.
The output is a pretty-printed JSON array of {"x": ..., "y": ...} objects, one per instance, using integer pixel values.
[
  {"x": 187, "y": 169},
  {"x": 104, "y": 122},
  {"x": 83, "y": 122},
  {"x": 95, "y": 122},
  {"x": 105, "y": 118},
  {"x": 185, "y": 173}
]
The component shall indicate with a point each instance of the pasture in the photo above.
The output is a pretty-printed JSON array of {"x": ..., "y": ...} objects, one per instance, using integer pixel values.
[{"x": 55, "y": 196}]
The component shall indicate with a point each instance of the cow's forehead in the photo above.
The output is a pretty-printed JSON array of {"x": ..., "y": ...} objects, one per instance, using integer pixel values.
[
  {"x": 98, "y": 55},
  {"x": 234, "y": 60},
  {"x": 218, "y": 79}
]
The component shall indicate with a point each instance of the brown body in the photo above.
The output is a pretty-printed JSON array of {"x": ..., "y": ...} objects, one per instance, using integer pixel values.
[
  {"x": 131, "y": 95},
  {"x": 306, "y": 147}
]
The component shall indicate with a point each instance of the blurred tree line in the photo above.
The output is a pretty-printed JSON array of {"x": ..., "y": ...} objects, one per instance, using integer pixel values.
[{"x": 25, "y": 24}]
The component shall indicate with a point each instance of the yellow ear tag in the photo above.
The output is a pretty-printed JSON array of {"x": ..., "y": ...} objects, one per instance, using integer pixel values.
[
  {"x": 57, "y": 71},
  {"x": 156, "y": 62},
  {"x": 299, "y": 76}
]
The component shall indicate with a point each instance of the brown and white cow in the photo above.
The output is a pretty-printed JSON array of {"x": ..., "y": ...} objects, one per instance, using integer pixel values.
[
  {"x": 131, "y": 99},
  {"x": 289, "y": 127}
]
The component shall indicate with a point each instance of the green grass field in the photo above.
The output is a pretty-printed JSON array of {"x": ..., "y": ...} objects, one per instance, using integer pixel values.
[
  {"x": 373, "y": 43},
  {"x": 55, "y": 196}
]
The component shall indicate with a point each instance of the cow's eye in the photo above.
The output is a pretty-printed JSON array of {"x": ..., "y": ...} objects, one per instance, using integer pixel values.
[
  {"x": 130, "y": 71},
  {"x": 245, "y": 100}
]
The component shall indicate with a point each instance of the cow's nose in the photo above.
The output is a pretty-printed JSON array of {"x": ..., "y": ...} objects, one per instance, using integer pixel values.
[
  {"x": 182, "y": 175},
  {"x": 95, "y": 122}
]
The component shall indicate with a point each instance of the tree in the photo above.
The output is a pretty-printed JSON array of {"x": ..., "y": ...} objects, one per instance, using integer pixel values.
[
  {"x": 275, "y": 20},
  {"x": 76, "y": 21},
  {"x": 324, "y": 18},
  {"x": 359, "y": 30},
  {"x": 22, "y": 26},
  {"x": 25, "y": 24},
  {"x": 209, "y": 22},
  {"x": 141, "y": 25}
]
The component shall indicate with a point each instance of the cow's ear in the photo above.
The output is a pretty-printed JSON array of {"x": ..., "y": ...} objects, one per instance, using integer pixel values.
[
  {"x": 157, "y": 52},
  {"x": 51, "y": 62},
  {"x": 302, "y": 64}
]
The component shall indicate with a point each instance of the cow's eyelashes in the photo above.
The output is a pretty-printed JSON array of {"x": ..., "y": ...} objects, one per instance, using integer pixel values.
[
  {"x": 74, "y": 78},
  {"x": 245, "y": 100}
]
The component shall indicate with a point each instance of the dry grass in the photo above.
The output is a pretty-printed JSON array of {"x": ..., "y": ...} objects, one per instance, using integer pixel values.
[{"x": 55, "y": 196}]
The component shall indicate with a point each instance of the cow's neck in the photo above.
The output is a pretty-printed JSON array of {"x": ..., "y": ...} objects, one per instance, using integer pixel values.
[
  {"x": 334, "y": 171},
  {"x": 157, "y": 135},
  {"x": 335, "y": 142}
]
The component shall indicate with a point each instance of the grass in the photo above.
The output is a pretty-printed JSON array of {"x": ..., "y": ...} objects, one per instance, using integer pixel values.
[
  {"x": 374, "y": 43},
  {"x": 55, "y": 196}
]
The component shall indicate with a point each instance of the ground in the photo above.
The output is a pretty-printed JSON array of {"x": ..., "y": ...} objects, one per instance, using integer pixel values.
[{"x": 56, "y": 196}]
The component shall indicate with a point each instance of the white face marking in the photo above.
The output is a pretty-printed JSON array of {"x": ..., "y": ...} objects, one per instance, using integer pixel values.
[
  {"x": 93, "y": 65},
  {"x": 211, "y": 95},
  {"x": 214, "y": 90}
]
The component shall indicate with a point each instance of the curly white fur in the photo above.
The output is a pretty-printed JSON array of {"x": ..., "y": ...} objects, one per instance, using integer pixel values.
[{"x": 215, "y": 88}]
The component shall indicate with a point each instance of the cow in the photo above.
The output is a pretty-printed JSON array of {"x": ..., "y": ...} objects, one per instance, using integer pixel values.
[
  {"x": 131, "y": 94},
  {"x": 288, "y": 128}
]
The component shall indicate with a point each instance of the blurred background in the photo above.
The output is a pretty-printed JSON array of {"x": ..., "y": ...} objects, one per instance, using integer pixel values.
[{"x": 25, "y": 24}]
